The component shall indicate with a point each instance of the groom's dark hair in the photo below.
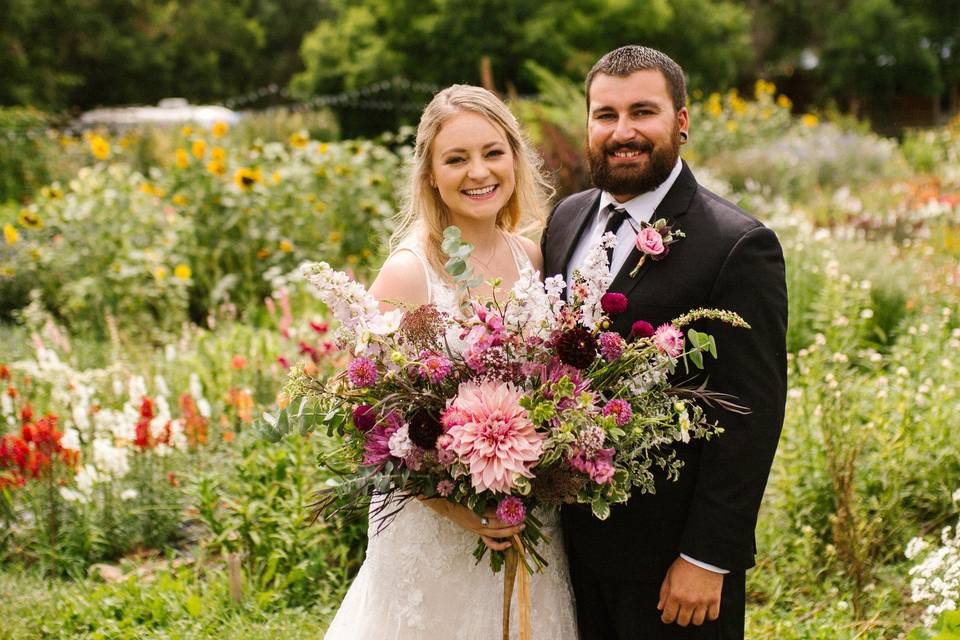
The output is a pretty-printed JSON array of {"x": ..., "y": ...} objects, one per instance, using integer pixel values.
[{"x": 626, "y": 60}]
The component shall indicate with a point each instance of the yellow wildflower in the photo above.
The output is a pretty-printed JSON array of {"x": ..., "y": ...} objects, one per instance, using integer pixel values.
[
  {"x": 335, "y": 236},
  {"x": 322, "y": 148},
  {"x": 784, "y": 102},
  {"x": 765, "y": 113},
  {"x": 160, "y": 273},
  {"x": 218, "y": 154},
  {"x": 763, "y": 88},
  {"x": 126, "y": 141},
  {"x": 182, "y": 272},
  {"x": 299, "y": 139},
  {"x": 714, "y": 107},
  {"x": 732, "y": 126},
  {"x": 99, "y": 147},
  {"x": 183, "y": 160},
  {"x": 366, "y": 253},
  {"x": 341, "y": 170},
  {"x": 216, "y": 167},
  {"x": 179, "y": 199},
  {"x": 186, "y": 131},
  {"x": 263, "y": 254},
  {"x": 6, "y": 272},
  {"x": 198, "y": 148},
  {"x": 738, "y": 104},
  {"x": 286, "y": 246},
  {"x": 276, "y": 177},
  {"x": 320, "y": 207},
  {"x": 809, "y": 120},
  {"x": 29, "y": 220},
  {"x": 246, "y": 178},
  {"x": 151, "y": 190},
  {"x": 352, "y": 259},
  {"x": 220, "y": 129},
  {"x": 10, "y": 234}
]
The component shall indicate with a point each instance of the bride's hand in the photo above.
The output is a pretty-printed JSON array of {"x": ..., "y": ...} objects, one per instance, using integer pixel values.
[{"x": 495, "y": 534}]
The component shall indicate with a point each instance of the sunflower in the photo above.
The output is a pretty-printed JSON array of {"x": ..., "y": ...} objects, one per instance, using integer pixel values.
[
  {"x": 299, "y": 139},
  {"x": 99, "y": 147},
  {"x": 182, "y": 272},
  {"x": 183, "y": 160},
  {"x": 220, "y": 129},
  {"x": 10, "y": 234},
  {"x": 29, "y": 220},
  {"x": 198, "y": 148},
  {"x": 246, "y": 178}
]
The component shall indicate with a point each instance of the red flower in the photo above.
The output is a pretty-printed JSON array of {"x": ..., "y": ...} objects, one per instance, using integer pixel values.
[
  {"x": 320, "y": 327},
  {"x": 146, "y": 408},
  {"x": 4, "y": 372},
  {"x": 11, "y": 391},
  {"x": 613, "y": 302},
  {"x": 238, "y": 362},
  {"x": 306, "y": 349},
  {"x": 172, "y": 479},
  {"x": 641, "y": 329},
  {"x": 26, "y": 414},
  {"x": 283, "y": 362}
]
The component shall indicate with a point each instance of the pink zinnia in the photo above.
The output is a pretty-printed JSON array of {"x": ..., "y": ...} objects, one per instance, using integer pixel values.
[
  {"x": 362, "y": 372},
  {"x": 613, "y": 302},
  {"x": 435, "y": 366},
  {"x": 620, "y": 409},
  {"x": 511, "y": 511},
  {"x": 497, "y": 442},
  {"x": 611, "y": 345},
  {"x": 669, "y": 340}
]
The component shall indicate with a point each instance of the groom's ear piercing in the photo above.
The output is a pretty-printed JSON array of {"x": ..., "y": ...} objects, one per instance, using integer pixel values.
[{"x": 683, "y": 136}]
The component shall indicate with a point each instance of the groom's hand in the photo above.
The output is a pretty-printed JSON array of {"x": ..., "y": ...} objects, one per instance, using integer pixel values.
[{"x": 689, "y": 594}]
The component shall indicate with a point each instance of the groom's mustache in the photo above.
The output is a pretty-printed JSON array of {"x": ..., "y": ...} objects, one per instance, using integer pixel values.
[{"x": 642, "y": 147}]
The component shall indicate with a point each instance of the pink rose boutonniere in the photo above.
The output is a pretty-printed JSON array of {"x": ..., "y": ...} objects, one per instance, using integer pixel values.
[{"x": 654, "y": 240}]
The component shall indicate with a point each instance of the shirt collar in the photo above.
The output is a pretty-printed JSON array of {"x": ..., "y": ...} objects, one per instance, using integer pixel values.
[{"x": 641, "y": 207}]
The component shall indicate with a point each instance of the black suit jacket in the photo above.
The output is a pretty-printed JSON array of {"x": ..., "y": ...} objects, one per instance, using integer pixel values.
[{"x": 728, "y": 260}]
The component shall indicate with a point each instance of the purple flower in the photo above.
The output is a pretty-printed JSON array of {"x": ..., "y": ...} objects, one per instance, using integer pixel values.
[
  {"x": 602, "y": 472},
  {"x": 669, "y": 340},
  {"x": 434, "y": 366},
  {"x": 611, "y": 345},
  {"x": 376, "y": 444},
  {"x": 511, "y": 511},
  {"x": 641, "y": 329},
  {"x": 620, "y": 409},
  {"x": 364, "y": 417},
  {"x": 613, "y": 302},
  {"x": 445, "y": 487},
  {"x": 362, "y": 372}
]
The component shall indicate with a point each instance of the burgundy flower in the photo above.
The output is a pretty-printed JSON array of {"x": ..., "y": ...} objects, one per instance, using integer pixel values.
[
  {"x": 364, "y": 417},
  {"x": 577, "y": 347},
  {"x": 641, "y": 329},
  {"x": 425, "y": 428},
  {"x": 613, "y": 302}
]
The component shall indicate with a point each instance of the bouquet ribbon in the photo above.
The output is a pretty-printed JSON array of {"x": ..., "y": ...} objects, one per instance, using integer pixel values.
[{"x": 515, "y": 570}]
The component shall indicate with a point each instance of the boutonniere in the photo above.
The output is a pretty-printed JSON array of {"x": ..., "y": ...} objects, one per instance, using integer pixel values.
[{"x": 654, "y": 240}]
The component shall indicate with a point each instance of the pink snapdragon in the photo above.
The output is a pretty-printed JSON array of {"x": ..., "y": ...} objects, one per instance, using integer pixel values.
[
  {"x": 498, "y": 442},
  {"x": 669, "y": 340}
]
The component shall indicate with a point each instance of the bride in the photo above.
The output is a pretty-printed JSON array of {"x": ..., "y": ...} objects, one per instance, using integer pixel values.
[{"x": 420, "y": 581}]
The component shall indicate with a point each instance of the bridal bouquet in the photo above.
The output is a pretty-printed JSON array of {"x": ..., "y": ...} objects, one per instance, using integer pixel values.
[{"x": 517, "y": 404}]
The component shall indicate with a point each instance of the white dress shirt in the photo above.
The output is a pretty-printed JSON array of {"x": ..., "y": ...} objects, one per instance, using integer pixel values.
[{"x": 641, "y": 209}]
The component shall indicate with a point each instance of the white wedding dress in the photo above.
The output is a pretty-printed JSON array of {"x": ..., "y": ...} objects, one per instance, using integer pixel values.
[{"x": 420, "y": 581}]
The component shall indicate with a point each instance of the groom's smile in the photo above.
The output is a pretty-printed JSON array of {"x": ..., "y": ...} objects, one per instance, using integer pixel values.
[{"x": 633, "y": 132}]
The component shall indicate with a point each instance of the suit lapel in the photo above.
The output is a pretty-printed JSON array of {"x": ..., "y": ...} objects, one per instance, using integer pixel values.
[{"x": 673, "y": 206}]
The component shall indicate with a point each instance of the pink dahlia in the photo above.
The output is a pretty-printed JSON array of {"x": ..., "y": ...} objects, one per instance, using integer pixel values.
[
  {"x": 669, "y": 340},
  {"x": 497, "y": 442},
  {"x": 362, "y": 372},
  {"x": 511, "y": 511}
]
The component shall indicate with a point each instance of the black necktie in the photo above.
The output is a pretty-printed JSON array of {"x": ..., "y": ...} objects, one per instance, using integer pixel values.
[{"x": 619, "y": 215}]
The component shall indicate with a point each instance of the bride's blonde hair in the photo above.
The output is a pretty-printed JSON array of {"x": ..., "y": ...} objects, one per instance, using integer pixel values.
[{"x": 424, "y": 212}]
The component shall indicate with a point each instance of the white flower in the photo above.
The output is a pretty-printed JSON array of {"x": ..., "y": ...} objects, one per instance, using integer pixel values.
[
  {"x": 86, "y": 477},
  {"x": 400, "y": 443},
  {"x": 956, "y": 495},
  {"x": 129, "y": 494},
  {"x": 915, "y": 547},
  {"x": 596, "y": 278},
  {"x": 6, "y": 405},
  {"x": 72, "y": 496},
  {"x": 160, "y": 384},
  {"x": 71, "y": 439},
  {"x": 112, "y": 460}
]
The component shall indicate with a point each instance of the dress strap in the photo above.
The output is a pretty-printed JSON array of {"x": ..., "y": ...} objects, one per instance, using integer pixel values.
[{"x": 520, "y": 258}]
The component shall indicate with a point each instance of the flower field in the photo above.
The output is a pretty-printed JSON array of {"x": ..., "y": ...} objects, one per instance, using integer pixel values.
[{"x": 151, "y": 313}]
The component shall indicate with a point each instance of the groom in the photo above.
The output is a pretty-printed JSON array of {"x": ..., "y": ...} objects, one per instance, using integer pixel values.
[{"x": 671, "y": 564}]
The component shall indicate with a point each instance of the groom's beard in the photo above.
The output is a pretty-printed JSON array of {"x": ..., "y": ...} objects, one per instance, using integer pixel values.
[{"x": 622, "y": 181}]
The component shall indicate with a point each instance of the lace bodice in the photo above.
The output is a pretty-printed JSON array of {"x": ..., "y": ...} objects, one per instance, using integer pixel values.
[{"x": 419, "y": 580}]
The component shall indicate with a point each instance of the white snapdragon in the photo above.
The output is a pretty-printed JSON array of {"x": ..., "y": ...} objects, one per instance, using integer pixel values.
[
  {"x": 530, "y": 306},
  {"x": 196, "y": 390},
  {"x": 595, "y": 278},
  {"x": 554, "y": 286},
  {"x": 71, "y": 439},
  {"x": 110, "y": 459},
  {"x": 86, "y": 477},
  {"x": 129, "y": 494}
]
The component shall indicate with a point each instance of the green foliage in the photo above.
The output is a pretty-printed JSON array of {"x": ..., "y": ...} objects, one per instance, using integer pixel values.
[
  {"x": 23, "y": 166},
  {"x": 261, "y": 509}
]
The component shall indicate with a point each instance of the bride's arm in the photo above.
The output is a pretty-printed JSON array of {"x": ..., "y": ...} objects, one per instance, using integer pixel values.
[
  {"x": 401, "y": 281},
  {"x": 495, "y": 534}
]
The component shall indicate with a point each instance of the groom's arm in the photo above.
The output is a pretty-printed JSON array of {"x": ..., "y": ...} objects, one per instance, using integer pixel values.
[{"x": 734, "y": 466}]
